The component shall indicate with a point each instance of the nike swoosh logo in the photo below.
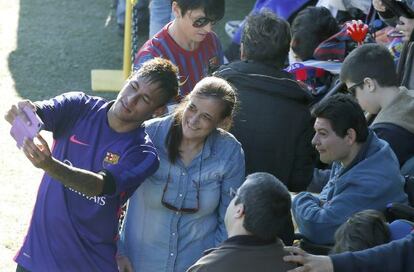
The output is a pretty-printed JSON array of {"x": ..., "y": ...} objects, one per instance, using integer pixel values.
[{"x": 76, "y": 141}]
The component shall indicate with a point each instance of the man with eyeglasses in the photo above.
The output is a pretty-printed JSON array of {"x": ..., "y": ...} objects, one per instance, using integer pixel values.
[
  {"x": 188, "y": 41},
  {"x": 255, "y": 220},
  {"x": 369, "y": 73}
]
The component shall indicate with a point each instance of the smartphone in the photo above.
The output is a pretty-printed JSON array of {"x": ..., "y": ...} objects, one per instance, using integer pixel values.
[{"x": 22, "y": 129}]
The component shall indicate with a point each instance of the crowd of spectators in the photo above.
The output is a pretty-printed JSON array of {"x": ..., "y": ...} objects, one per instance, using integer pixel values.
[{"x": 217, "y": 157}]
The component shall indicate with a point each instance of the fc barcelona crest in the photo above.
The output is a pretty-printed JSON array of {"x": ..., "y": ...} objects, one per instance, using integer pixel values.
[{"x": 111, "y": 158}]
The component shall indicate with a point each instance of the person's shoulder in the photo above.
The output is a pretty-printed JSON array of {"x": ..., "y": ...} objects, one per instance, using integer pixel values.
[
  {"x": 79, "y": 97},
  {"x": 158, "y": 121},
  {"x": 217, "y": 260},
  {"x": 226, "y": 138},
  {"x": 229, "y": 69},
  {"x": 158, "y": 127}
]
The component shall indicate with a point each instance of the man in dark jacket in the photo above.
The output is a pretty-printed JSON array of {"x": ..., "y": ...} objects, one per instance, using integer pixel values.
[
  {"x": 255, "y": 218},
  {"x": 274, "y": 122}
]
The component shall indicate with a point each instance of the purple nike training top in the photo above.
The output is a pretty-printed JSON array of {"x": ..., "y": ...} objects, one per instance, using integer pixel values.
[{"x": 70, "y": 231}]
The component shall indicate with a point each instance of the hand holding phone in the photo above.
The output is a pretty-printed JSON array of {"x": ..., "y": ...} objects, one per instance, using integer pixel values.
[{"x": 27, "y": 126}]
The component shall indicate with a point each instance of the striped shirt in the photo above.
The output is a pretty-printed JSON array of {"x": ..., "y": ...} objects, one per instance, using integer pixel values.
[{"x": 192, "y": 65}]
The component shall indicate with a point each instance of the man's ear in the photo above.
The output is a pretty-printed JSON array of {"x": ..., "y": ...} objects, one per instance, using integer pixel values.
[
  {"x": 350, "y": 136},
  {"x": 239, "y": 211},
  {"x": 370, "y": 83},
  {"x": 176, "y": 9},
  {"x": 160, "y": 111}
]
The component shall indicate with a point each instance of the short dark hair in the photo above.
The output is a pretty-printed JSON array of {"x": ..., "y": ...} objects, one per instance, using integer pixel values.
[
  {"x": 213, "y": 9},
  {"x": 266, "y": 38},
  {"x": 267, "y": 205},
  {"x": 310, "y": 27},
  {"x": 343, "y": 113},
  {"x": 162, "y": 72},
  {"x": 362, "y": 230},
  {"x": 370, "y": 60}
]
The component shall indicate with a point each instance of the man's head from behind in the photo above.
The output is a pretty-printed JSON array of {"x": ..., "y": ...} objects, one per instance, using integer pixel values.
[
  {"x": 340, "y": 127},
  {"x": 265, "y": 38},
  {"x": 261, "y": 207},
  {"x": 364, "y": 229},
  {"x": 310, "y": 27}
]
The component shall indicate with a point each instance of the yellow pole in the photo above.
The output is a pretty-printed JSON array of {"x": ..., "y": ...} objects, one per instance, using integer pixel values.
[{"x": 127, "y": 38}]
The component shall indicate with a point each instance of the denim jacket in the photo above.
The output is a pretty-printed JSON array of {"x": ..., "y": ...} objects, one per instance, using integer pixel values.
[{"x": 156, "y": 238}]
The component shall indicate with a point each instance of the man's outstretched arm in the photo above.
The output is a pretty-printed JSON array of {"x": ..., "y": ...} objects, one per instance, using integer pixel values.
[{"x": 81, "y": 180}]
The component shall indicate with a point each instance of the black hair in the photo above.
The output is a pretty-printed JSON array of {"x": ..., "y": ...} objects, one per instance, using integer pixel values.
[
  {"x": 267, "y": 204},
  {"x": 343, "y": 113},
  {"x": 162, "y": 72},
  {"x": 310, "y": 27},
  {"x": 362, "y": 230},
  {"x": 370, "y": 60},
  {"x": 213, "y": 9}
]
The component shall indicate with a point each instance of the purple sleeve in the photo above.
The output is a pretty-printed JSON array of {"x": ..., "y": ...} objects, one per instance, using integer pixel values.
[
  {"x": 61, "y": 112},
  {"x": 135, "y": 166},
  {"x": 395, "y": 256}
]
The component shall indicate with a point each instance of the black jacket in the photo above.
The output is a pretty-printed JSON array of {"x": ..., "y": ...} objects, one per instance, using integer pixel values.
[{"x": 273, "y": 123}]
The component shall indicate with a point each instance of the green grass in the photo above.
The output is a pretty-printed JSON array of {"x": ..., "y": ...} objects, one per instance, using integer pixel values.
[{"x": 60, "y": 42}]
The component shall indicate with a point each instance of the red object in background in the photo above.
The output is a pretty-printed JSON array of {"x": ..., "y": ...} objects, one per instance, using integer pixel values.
[{"x": 357, "y": 30}]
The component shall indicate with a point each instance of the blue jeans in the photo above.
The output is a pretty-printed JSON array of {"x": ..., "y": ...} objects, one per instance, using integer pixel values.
[{"x": 160, "y": 15}]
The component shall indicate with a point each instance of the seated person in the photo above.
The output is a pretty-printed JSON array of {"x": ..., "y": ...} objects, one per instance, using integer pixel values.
[
  {"x": 364, "y": 229},
  {"x": 271, "y": 101},
  {"x": 364, "y": 174},
  {"x": 402, "y": 24},
  {"x": 369, "y": 73},
  {"x": 254, "y": 221},
  {"x": 188, "y": 41},
  {"x": 310, "y": 27}
]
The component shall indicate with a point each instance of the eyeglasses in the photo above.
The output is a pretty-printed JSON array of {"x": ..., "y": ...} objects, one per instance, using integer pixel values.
[
  {"x": 203, "y": 21},
  {"x": 352, "y": 89},
  {"x": 197, "y": 186},
  {"x": 174, "y": 208}
]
